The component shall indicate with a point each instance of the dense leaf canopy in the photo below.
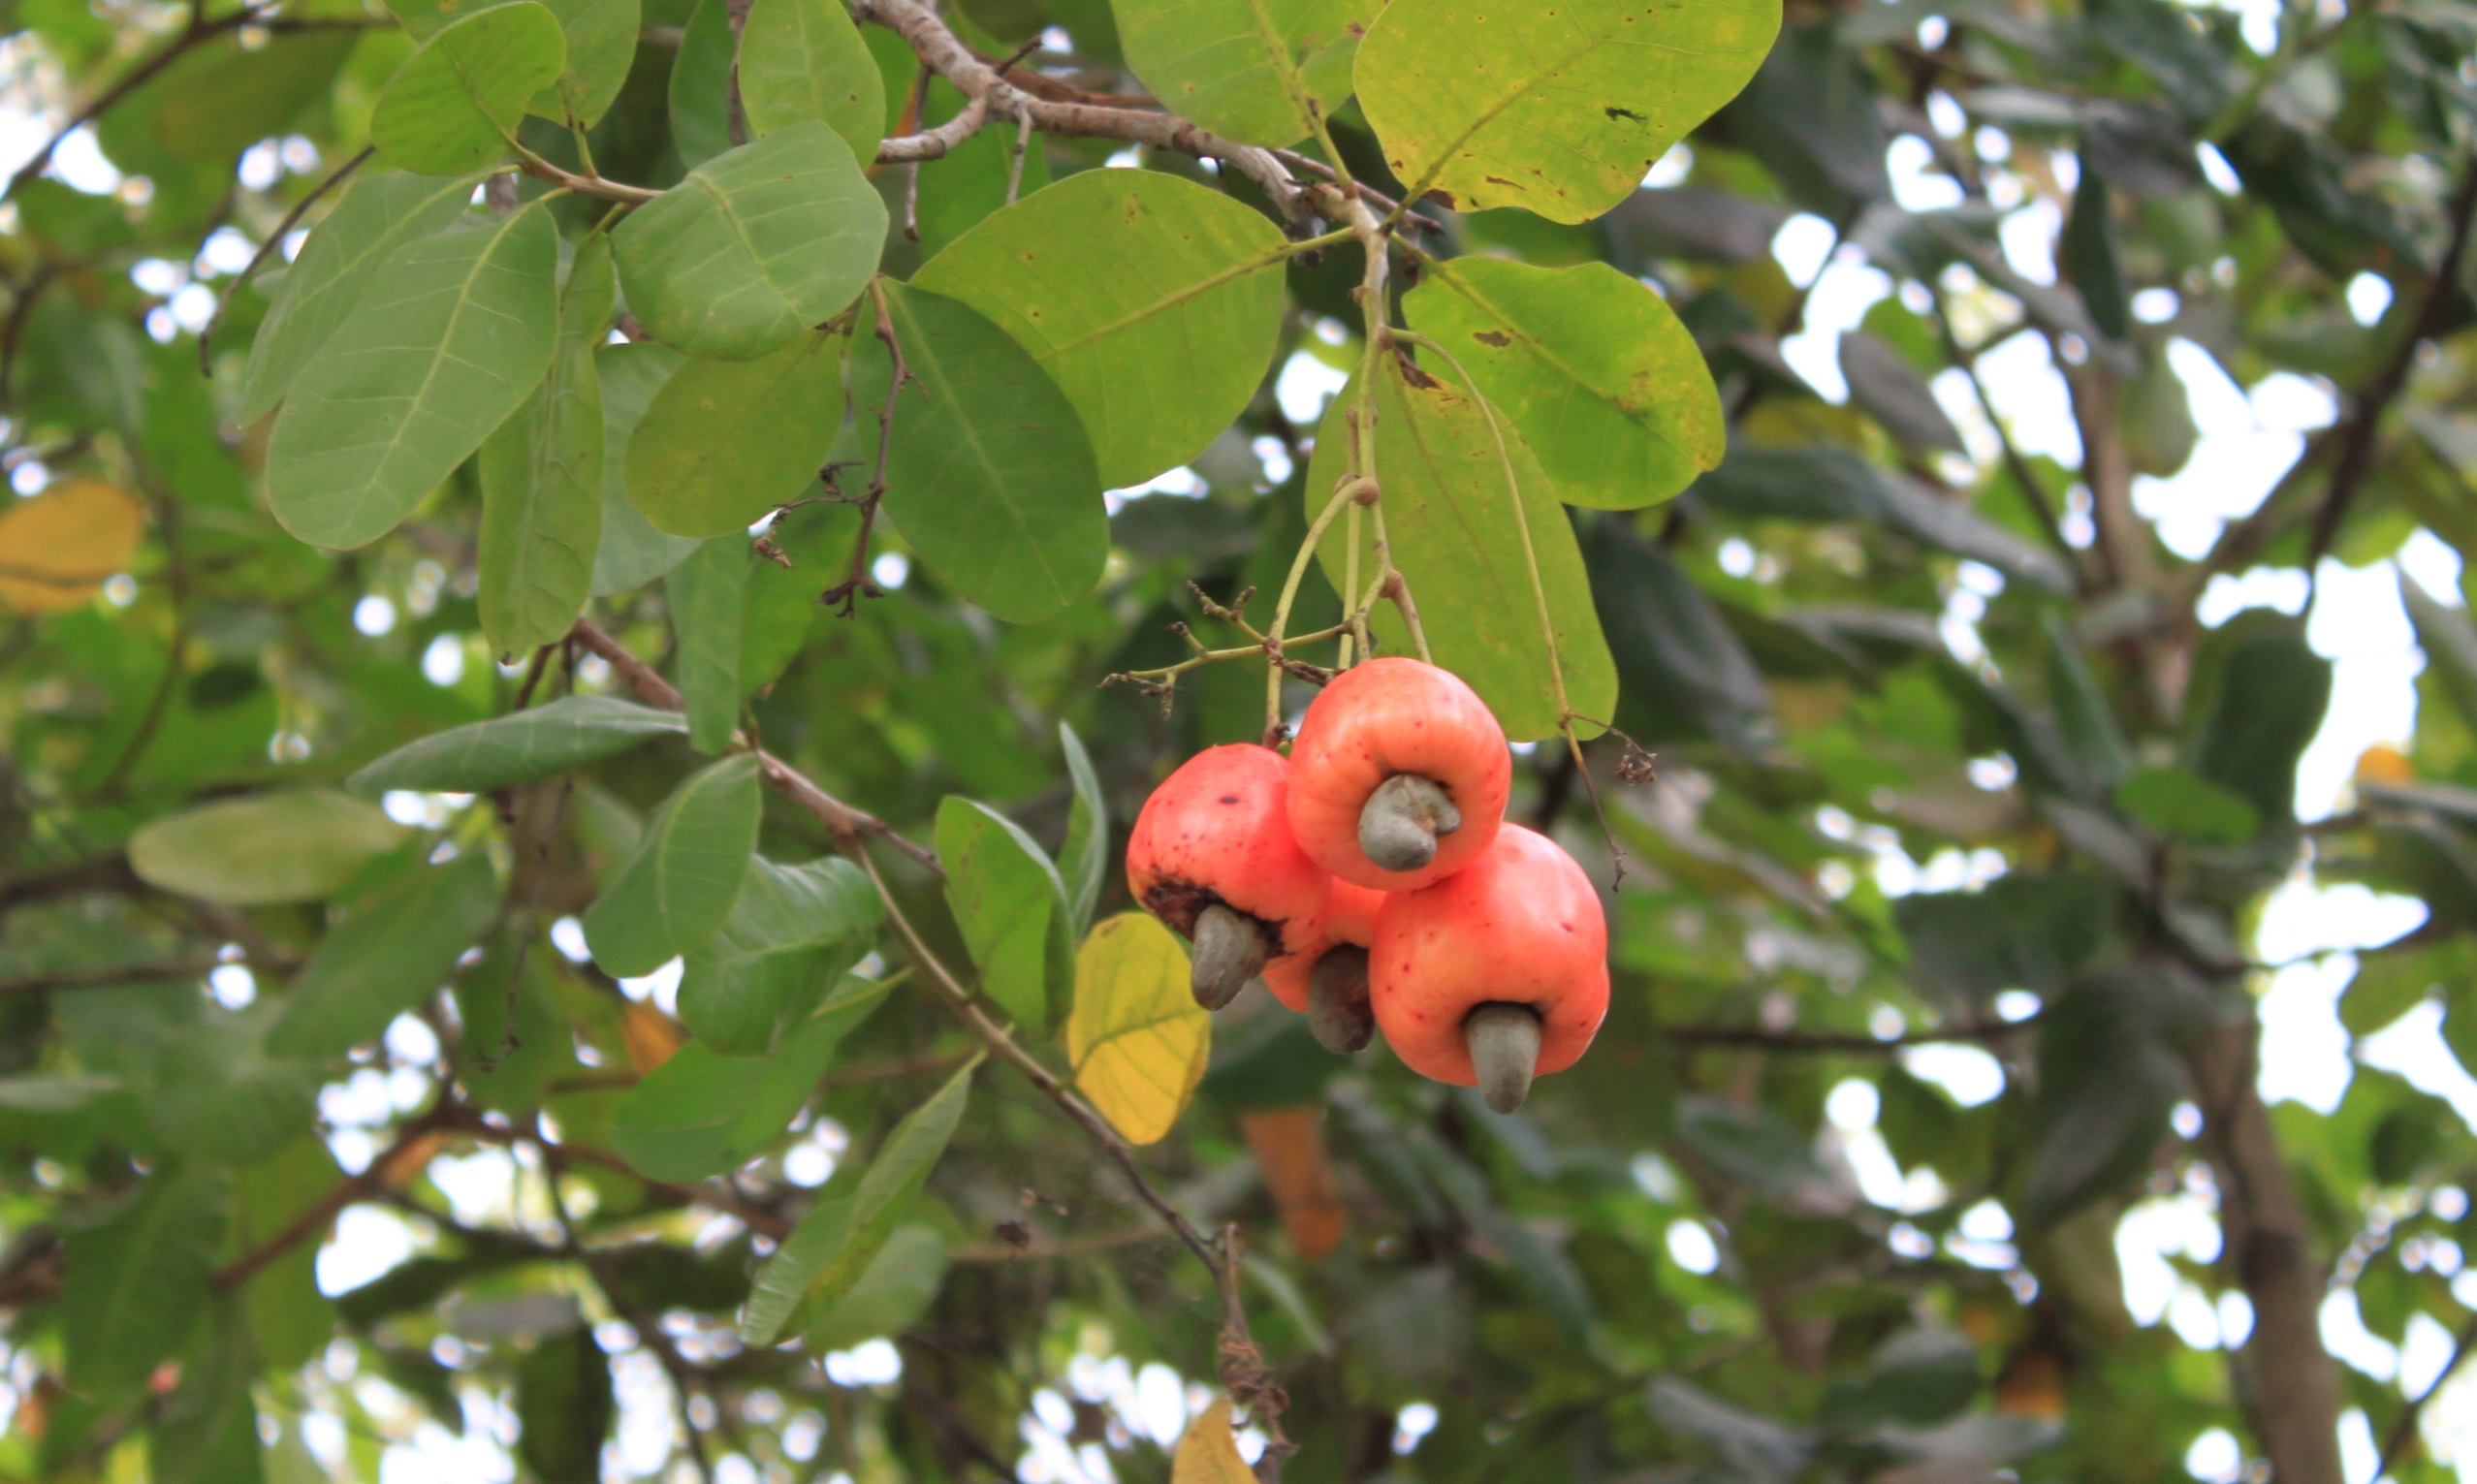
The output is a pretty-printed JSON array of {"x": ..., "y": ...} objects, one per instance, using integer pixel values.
[{"x": 593, "y": 587}]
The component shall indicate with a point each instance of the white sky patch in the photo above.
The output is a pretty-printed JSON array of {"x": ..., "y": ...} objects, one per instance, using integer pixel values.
[
  {"x": 1918, "y": 184},
  {"x": 2412, "y": 1046},
  {"x": 2359, "y": 624},
  {"x": 2429, "y": 560},
  {"x": 1304, "y": 385},
  {"x": 2246, "y": 445},
  {"x": 2031, "y": 399},
  {"x": 367, "y": 1241},
  {"x": 1843, "y": 292},
  {"x": 2029, "y": 239},
  {"x": 1802, "y": 244}
]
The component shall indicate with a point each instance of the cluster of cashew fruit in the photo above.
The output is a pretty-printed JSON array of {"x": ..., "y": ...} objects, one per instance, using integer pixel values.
[{"x": 1371, "y": 879}]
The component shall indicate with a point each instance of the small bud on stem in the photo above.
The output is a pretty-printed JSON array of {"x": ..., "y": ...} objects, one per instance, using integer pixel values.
[
  {"x": 1399, "y": 824},
  {"x": 1505, "y": 1047},
  {"x": 1230, "y": 951},
  {"x": 1338, "y": 1011}
]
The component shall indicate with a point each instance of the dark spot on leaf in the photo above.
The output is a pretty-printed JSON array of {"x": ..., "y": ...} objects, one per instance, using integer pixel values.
[
  {"x": 1501, "y": 181},
  {"x": 1495, "y": 338},
  {"x": 1614, "y": 112}
]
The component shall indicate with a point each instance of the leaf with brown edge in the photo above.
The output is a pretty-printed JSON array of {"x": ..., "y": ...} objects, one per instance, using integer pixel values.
[{"x": 1137, "y": 1038}]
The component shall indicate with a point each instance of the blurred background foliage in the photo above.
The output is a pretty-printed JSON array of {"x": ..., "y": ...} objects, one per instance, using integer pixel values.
[{"x": 2086, "y": 368}]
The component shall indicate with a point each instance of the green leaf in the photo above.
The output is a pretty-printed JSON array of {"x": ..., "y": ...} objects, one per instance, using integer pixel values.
[
  {"x": 1682, "y": 671},
  {"x": 221, "y": 1098},
  {"x": 973, "y": 178},
  {"x": 700, "y": 84},
  {"x": 379, "y": 214},
  {"x": 2088, "y": 256},
  {"x": 2108, "y": 1071},
  {"x": 542, "y": 479},
  {"x": 1260, "y": 72},
  {"x": 890, "y": 1295},
  {"x": 1007, "y": 896},
  {"x": 836, "y": 1240},
  {"x": 1885, "y": 385},
  {"x": 704, "y": 1112},
  {"x": 2180, "y": 804},
  {"x": 226, "y": 96},
  {"x": 1605, "y": 385},
  {"x": 2449, "y": 640},
  {"x": 805, "y": 59},
  {"x": 1559, "y": 109},
  {"x": 2027, "y": 931},
  {"x": 288, "y": 1318},
  {"x": 1919, "y": 1377},
  {"x": 513, "y": 981},
  {"x": 679, "y": 884},
  {"x": 990, "y": 477},
  {"x": 633, "y": 553},
  {"x": 387, "y": 956},
  {"x": 297, "y": 846},
  {"x": 206, "y": 1430},
  {"x": 1449, "y": 516},
  {"x": 564, "y": 1406},
  {"x": 448, "y": 340},
  {"x": 454, "y": 105},
  {"x": 2257, "y": 698},
  {"x": 793, "y": 930},
  {"x": 1085, "y": 855},
  {"x": 136, "y": 1285},
  {"x": 522, "y": 747},
  {"x": 1757, "y": 1148},
  {"x": 601, "y": 38},
  {"x": 726, "y": 441},
  {"x": 705, "y": 595},
  {"x": 2390, "y": 982},
  {"x": 1116, "y": 281},
  {"x": 755, "y": 247}
]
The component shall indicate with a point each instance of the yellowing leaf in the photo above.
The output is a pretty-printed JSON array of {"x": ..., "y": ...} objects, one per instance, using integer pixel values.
[
  {"x": 1137, "y": 1038},
  {"x": 56, "y": 548},
  {"x": 1208, "y": 1453}
]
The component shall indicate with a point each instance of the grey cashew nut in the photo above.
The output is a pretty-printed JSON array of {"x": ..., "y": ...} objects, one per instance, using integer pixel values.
[
  {"x": 1337, "y": 1010},
  {"x": 1230, "y": 951},
  {"x": 1503, "y": 1039},
  {"x": 1399, "y": 824}
]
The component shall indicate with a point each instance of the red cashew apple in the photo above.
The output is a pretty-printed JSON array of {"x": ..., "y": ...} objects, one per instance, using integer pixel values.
[
  {"x": 1332, "y": 985},
  {"x": 1212, "y": 856},
  {"x": 1494, "y": 975},
  {"x": 1398, "y": 776}
]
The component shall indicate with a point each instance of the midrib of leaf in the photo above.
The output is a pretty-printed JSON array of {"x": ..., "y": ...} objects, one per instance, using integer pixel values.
[
  {"x": 1276, "y": 49},
  {"x": 1489, "y": 114},
  {"x": 740, "y": 232},
  {"x": 419, "y": 400},
  {"x": 971, "y": 435},
  {"x": 1202, "y": 286}
]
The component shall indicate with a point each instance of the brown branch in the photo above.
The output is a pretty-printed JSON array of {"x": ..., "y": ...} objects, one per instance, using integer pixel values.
[
  {"x": 103, "y": 873},
  {"x": 374, "y": 1177},
  {"x": 938, "y": 143},
  {"x": 106, "y": 978},
  {"x": 1825, "y": 1044},
  {"x": 2357, "y": 445},
  {"x": 196, "y": 34},
  {"x": 846, "y": 822},
  {"x": 2403, "y": 1429},
  {"x": 857, "y": 585},
  {"x": 595, "y": 187},
  {"x": 1043, "y": 1251},
  {"x": 265, "y": 249}
]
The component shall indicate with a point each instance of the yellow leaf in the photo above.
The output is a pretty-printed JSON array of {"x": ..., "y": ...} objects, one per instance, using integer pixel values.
[
  {"x": 1137, "y": 1038},
  {"x": 1207, "y": 1453},
  {"x": 56, "y": 548}
]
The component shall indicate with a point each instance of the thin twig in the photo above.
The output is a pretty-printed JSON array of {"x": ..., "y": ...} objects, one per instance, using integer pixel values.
[
  {"x": 314, "y": 1221},
  {"x": 857, "y": 585},
  {"x": 196, "y": 34},
  {"x": 1825, "y": 1044},
  {"x": 108, "y": 977},
  {"x": 2403, "y": 1429},
  {"x": 267, "y": 249}
]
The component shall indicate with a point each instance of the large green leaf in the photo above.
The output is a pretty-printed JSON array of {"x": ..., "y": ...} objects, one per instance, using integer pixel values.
[
  {"x": 838, "y": 1240},
  {"x": 522, "y": 747},
  {"x": 2258, "y": 694},
  {"x": 136, "y": 1284},
  {"x": 725, "y": 441},
  {"x": 1152, "y": 302},
  {"x": 542, "y": 479},
  {"x": 990, "y": 478},
  {"x": 1450, "y": 518},
  {"x": 707, "y": 594},
  {"x": 891, "y": 1293},
  {"x": 206, "y": 1430},
  {"x": 290, "y": 1319},
  {"x": 1560, "y": 109},
  {"x": 297, "y": 846},
  {"x": 455, "y": 105},
  {"x": 1607, "y": 385},
  {"x": 2108, "y": 1071},
  {"x": 1260, "y": 72},
  {"x": 792, "y": 931},
  {"x": 1682, "y": 671},
  {"x": 1006, "y": 896},
  {"x": 222, "y": 1097},
  {"x": 805, "y": 59},
  {"x": 755, "y": 247},
  {"x": 378, "y": 214},
  {"x": 679, "y": 884},
  {"x": 633, "y": 553},
  {"x": 2030, "y": 931},
  {"x": 700, "y": 84},
  {"x": 601, "y": 46},
  {"x": 564, "y": 1404},
  {"x": 386, "y": 956},
  {"x": 705, "y": 1113},
  {"x": 452, "y": 337}
]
